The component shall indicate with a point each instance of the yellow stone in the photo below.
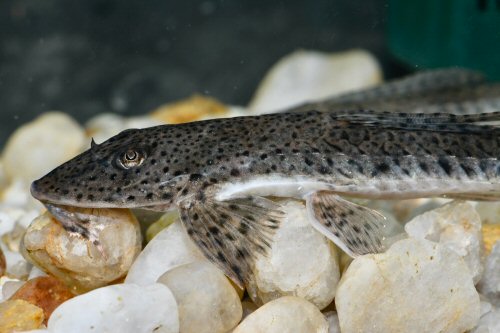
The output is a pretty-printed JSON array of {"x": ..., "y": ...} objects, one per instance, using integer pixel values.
[
  {"x": 491, "y": 235},
  {"x": 239, "y": 290},
  {"x": 164, "y": 221},
  {"x": 194, "y": 108},
  {"x": 19, "y": 315}
]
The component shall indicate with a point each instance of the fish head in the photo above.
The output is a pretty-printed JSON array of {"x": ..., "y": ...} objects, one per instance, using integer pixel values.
[{"x": 129, "y": 170}]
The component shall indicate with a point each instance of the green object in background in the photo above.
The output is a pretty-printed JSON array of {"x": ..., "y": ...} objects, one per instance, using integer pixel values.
[{"x": 443, "y": 33}]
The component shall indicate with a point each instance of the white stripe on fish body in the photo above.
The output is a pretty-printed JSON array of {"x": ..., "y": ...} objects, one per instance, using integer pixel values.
[{"x": 299, "y": 187}]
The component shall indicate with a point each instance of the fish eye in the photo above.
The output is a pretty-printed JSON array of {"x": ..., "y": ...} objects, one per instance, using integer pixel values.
[{"x": 131, "y": 158}]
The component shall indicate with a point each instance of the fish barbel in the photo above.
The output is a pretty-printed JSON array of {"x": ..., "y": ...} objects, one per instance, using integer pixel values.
[{"x": 218, "y": 172}]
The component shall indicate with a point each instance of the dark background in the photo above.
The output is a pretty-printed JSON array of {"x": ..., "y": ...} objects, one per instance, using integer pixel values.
[{"x": 87, "y": 57}]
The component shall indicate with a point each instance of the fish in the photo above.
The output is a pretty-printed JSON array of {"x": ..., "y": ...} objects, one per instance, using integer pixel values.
[{"x": 222, "y": 175}]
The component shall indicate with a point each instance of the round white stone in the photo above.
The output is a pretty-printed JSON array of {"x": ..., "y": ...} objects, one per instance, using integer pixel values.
[
  {"x": 301, "y": 262},
  {"x": 489, "y": 286},
  {"x": 414, "y": 286},
  {"x": 39, "y": 146},
  {"x": 171, "y": 247},
  {"x": 207, "y": 301},
  {"x": 118, "y": 308},
  {"x": 287, "y": 314},
  {"x": 305, "y": 76},
  {"x": 457, "y": 226}
]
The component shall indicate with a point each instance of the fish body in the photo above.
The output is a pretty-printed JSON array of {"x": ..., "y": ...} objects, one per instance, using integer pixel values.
[{"x": 218, "y": 173}]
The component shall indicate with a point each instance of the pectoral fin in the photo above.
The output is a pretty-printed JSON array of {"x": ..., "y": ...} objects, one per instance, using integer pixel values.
[
  {"x": 231, "y": 233},
  {"x": 356, "y": 229}
]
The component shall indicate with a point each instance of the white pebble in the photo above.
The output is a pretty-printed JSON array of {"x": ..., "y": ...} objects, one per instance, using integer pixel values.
[
  {"x": 39, "y": 146},
  {"x": 489, "y": 285},
  {"x": 171, "y": 247},
  {"x": 118, "y": 308},
  {"x": 207, "y": 301},
  {"x": 302, "y": 262},
  {"x": 414, "y": 286},
  {"x": 17, "y": 266},
  {"x": 489, "y": 322},
  {"x": 333, "y": 322},
  {"x": 287, "y": 314},
  {"x": 489, "y": 211},
  {"x": 305, "y": 76},
  {"x": 8, "y": 287},
  {"x": 456, "y": 226}
]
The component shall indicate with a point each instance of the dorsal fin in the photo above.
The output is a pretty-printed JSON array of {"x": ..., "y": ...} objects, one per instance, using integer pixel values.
[{"x": 438, "y": 122}]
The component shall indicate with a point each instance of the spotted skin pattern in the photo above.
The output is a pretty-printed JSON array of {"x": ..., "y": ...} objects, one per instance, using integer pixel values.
[{"x": 358, "y": 153}]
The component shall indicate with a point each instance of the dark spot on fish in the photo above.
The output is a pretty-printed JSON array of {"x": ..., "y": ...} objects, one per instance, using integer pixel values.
[
  {"x": 220, "y": 256},
  {"x": 195, "y": 177},
  {"x": 241, "y": 253},
  {"x": 383, "y": 167},
  {"x": 243, "y": 228},
  {"x": 323, "y": 170},
  {"x": 445, "y": 165},
  {"x": 200, "y": 196},
  {"x": 236, "y": 271},
  {"x": 130, "y": 198},
  {"x": 166, "y": 196},
  {"x": 149, "y": 196},
  {"x": 235, "y": 172},
  {"x": 214, "y": 230}
]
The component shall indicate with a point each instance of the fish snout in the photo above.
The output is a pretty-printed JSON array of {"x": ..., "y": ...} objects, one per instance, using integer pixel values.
[{"x": 36, "y": 190}]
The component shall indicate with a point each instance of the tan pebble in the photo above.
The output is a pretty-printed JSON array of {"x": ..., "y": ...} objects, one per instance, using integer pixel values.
[
  {"x": 3, "y": 264},
  {"x": 46, "y": 292},
  {"x": 491, "y": 235},
  {"x": 19, "y": 315},
  {"x": 191, "y": 109},
  {"x": 78, "y": 262}
]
